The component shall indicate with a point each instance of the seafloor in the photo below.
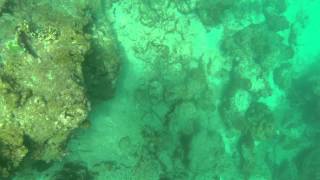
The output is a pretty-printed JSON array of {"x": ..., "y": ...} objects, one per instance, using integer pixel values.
[{"x": 206, "y": 90}]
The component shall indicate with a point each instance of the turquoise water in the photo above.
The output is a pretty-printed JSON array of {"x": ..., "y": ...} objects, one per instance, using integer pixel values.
[{"x": 178, "y": 89}]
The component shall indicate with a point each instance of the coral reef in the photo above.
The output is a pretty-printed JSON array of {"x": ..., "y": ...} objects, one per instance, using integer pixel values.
[
  {"x": 102, "y": 62},
  {"x": 258, "y": 44},
  {"x": 74, "y": 171},
  {"x": 175, "y": 97},
  {"x": 213, "y": 12},
  {"x": 12, "y": 149},
  {"x": 153, "y": 13},
  {"x": 259, "y": 122},
  {"x": 185, "y": 6},
  {"x": 41, "y": 93},
  {"x": 304, "y": 93},
  {"x": 255, "y": 52},
  {"x": 42, "y": 87},
  {"x": 2, "y": 4},
  {"x": 210, "y": 89},
  {"x": 308, "y": 163}
]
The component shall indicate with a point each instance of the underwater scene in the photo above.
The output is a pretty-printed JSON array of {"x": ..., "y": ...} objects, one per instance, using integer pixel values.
[{"x": 159, "y": 90}]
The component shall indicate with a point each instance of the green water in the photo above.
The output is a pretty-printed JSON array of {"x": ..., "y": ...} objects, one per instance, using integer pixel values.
[{"x": 195, "y": 89}]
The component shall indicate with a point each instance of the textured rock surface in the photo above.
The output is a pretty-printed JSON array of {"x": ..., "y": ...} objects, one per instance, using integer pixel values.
[
  {"x": 42, "y": 87},
  {"x": 101, "y": 66}
]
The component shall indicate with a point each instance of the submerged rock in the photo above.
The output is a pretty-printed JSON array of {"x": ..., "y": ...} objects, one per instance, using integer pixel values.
[
  {"x": 74, "y": 171},
  {"x": 101, "y": 66},
  {"x": 42, "y": 89}
]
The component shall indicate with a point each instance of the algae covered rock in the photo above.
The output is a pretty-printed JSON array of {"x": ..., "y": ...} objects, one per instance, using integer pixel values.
[
  {"x": 260, "y": 122},
  {"x": 2, "y": 3},
  {"x": 308, "y": 164},
  {"x": 304, "y": 94},
  {"x": 42, "y": 86},
  {"x": 258, "y": 44},
  {"x": 12, "y": 149},
  {"x": 101, "y": 66},
  {"x": 213, "y": 12},
  {"x": 74, "y": 170},
  {"x": 41, "y": 94}
]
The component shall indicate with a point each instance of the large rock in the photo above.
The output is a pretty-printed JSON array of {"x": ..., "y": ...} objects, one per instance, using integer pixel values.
[{"x": 42, "y": 87}]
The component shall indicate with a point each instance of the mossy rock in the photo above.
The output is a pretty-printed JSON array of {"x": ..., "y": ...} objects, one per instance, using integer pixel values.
[
  {"x": 12, "y": 149},
  {"x": 2, "y": 3},
  {"x": 213, "y": 12},
  {"x": 42, "y": 86},
  {"x": 308, "y": 163},
  {"x": 259, "y": 44},
  {"x": 43, "y": 83},
  {"x": 259, "y": 121}
]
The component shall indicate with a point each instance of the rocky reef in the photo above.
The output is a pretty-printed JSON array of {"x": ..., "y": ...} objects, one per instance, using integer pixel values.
[
  {"x": 43, "y": 95},
  {"x": 209, "y": 89}
]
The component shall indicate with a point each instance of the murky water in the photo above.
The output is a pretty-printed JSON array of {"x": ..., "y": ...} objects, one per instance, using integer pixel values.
[{"x": 160, "y": 90}]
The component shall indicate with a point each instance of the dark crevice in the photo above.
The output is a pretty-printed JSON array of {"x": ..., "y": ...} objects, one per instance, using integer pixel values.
[
  {"x": 25, "y": 42},
  {"x": 74, "y": 171},
  {"x": 7, "y": 7}
]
